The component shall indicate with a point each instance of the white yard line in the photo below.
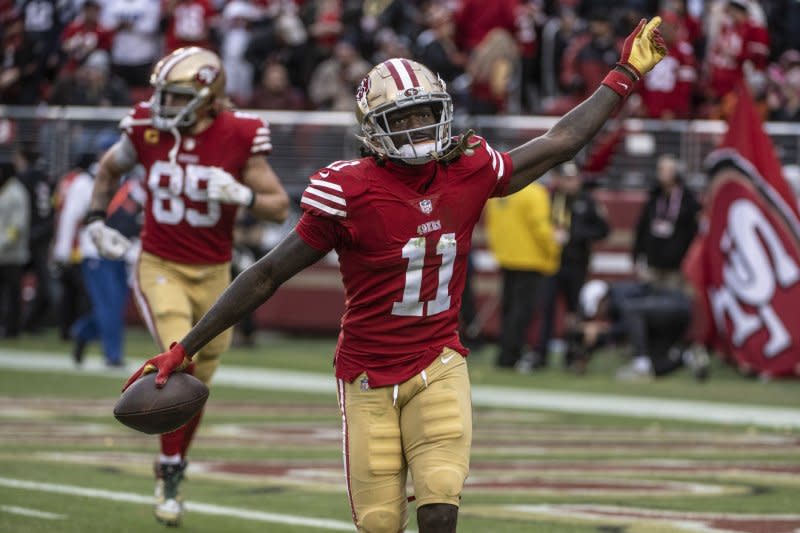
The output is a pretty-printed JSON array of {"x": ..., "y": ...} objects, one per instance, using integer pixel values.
[
  {"x": 194, "y": 507},
  {"x": 482, "y": 395},
  {"x": 32, "y": 513}
]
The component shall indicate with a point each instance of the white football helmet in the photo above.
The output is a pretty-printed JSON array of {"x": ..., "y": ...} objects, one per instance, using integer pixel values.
[
  {"x": 191, "y": 71},
  {"x": 400, "y": 83}
]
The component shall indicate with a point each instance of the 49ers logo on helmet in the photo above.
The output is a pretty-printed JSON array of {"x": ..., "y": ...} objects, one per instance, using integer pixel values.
[
  {"x": 363, "y": 88},
  {"x": 753, "y": 268},
  {"x": 207, "y": 74}
]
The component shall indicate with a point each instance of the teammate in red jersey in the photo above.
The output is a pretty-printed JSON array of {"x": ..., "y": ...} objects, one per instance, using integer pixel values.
[
  {"x": 203, "y": 162},
  {"x": 400, "y": 220}
]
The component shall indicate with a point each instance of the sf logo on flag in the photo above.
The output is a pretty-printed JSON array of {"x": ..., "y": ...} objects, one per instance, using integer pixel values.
[{"x": 754, "y": 260}]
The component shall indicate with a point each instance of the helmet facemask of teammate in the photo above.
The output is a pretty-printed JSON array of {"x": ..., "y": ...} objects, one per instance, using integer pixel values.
[
  {"x": 187, "y": 84},
  {"x": 384, "y": 99}
]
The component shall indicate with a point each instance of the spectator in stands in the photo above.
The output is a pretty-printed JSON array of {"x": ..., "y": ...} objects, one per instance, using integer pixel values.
[
  {"x": 783, "y": 91},
  {"x": 436, "y": 46},
  {"x": 667, "y": 91},
  {"x": 283, "y": 39},
  {"x": 654, "y": 320},
  {"x": 84, "y": 35},
  {"x": 237, "y": 18},
  {"x": 92, "y": 84},
  {"x": 14, "y": 254},
  {"x": 187, "y": 23},
  {"x": 586, "y": 60},
  {"x": 137, "y": 40},
  {"x": 579, "y": 221},
  {"x": 475, "y": 19},
  {"x": 556, "y": 35},
  {"x": 275, "y": 92},
  {"x": 666, "y": 227},
  {"x": 19, "y": 71},
  {"x": 40, "y": 195},
  {"x": 334, "y": 81},
  {"x": 494, "y": 72},
  {"x": 74, "y": 301},
  {"x": 740, "y": 40},
  {"x": 44, "y": 22},
  {"x": 522, "y": 238}
]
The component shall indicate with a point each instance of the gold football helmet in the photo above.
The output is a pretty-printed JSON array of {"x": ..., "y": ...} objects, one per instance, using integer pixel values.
[
  {"x": 190, "y": 71},
  {"x": 400, "y": 83}
]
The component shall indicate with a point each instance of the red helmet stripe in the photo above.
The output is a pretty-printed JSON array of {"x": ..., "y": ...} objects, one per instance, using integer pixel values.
[
  {"x": 407, "y": 65},
  {"x": 398, "y": 80}
]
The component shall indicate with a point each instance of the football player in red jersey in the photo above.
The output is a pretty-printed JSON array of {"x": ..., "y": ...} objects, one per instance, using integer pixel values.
[
  {"x": 203, "y": 162},
  {"x": 401, "y": 221}
]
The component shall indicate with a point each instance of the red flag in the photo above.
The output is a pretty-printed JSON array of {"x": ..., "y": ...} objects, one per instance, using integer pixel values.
[
  {"x": 745, "y": 264},
  {"x": 746, "y": 135}
]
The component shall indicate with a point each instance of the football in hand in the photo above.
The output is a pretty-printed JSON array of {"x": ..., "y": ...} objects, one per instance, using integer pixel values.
[{"x": 151, "y": 410}]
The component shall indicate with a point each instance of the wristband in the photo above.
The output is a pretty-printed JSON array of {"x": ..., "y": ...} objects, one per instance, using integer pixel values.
[
  {"x": 619, "y": 83},
  {"x": 95, "y": 214}
]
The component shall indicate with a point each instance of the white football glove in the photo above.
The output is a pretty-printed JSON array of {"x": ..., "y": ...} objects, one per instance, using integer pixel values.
[
  {"x": 224, "y": 188},
  {"x": 110, "y": 243}
]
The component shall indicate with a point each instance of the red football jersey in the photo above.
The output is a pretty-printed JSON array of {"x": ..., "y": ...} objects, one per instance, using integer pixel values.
[
  {"x": 402, "y": 254},
  {"x": 180, "y": 223},
  {"x": 668, "y": 87}
]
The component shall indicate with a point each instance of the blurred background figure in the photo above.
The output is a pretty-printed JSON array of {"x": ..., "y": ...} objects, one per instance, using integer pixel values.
[
  {"x": 521, "y": 236},
  {"x": 275, "y": 92},
  {"x": 74, "y": 300},
  {"x": 578, "y": 221},
  {"x": 668, "y": 89},
  {"x": 237, "y": 18},
  {"x": 84, "y": 35},
  {"x": 40, "y": 195},
  {"x": 91, "y": 84},
  {"x": 653, "y": 320},
  {"x": 106, "y": 280},
  {"x": 137, "y": 40},
  {"x": 20, "y": 80},
  {"x": 14, "y": 253},
  {"x": 783, "y": 89},
  {"x": 334, "y": 81},
  {"x": 666, "y": 227},
  {"x": 187, "y": 23}
]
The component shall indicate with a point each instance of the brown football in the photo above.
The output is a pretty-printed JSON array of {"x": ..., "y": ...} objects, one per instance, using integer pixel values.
[{"x": 148, "y": 409}]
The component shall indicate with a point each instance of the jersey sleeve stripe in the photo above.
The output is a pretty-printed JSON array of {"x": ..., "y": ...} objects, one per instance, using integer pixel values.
[
  {"x": 333, "y": 198},
  {"x": 262, "y": 131},
  {"x": 327, "y": 185},
  {"x": 322, "y": 207},
  {"x": 498, "y": 164},
  {"x": 261, "y": 139}
]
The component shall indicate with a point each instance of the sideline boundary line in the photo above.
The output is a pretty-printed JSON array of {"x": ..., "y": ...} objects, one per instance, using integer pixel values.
[{"x": 482, "y": 395}]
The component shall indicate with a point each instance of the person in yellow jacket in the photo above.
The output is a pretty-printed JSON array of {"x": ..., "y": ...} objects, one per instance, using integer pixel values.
[{"x": 523, "y": 240}]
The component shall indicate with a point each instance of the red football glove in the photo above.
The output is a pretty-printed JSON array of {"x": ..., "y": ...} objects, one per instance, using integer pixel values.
[{"x": 173, "y": 360}]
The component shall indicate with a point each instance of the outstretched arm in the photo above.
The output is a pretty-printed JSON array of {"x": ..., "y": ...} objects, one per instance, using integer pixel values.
[
  {"x": 642, "y": 50},
  {"x": 250, "y": 289}
]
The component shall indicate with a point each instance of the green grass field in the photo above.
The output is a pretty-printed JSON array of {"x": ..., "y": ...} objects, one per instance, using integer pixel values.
[{"x": 268, "y": 457}]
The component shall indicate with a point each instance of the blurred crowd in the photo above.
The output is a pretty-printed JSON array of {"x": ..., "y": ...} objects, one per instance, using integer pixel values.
[{"x": 504, "y": 56}]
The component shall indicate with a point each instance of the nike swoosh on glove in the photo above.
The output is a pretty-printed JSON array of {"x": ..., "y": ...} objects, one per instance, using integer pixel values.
[
  {"x": 110, "y": 243},
  {"x": 166, "y": 363},
  {"x": 224, "y": 188},
  {"x": 643, "y": 48}
]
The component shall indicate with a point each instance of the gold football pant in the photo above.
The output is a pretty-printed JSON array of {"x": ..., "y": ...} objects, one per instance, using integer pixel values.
[
  {"x": 422, "y": 426},
  {"x": 172, "y": 297}
]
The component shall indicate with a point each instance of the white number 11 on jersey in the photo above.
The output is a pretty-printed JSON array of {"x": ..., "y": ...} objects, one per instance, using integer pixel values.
[{"x": 414, "y": 251}]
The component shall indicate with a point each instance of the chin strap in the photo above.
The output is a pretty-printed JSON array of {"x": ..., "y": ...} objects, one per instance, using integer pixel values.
[{"x": 463, "y": 145}]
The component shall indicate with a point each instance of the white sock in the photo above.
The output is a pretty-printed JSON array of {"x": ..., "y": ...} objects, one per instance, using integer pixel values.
[{"x": 170, "y": 459}]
